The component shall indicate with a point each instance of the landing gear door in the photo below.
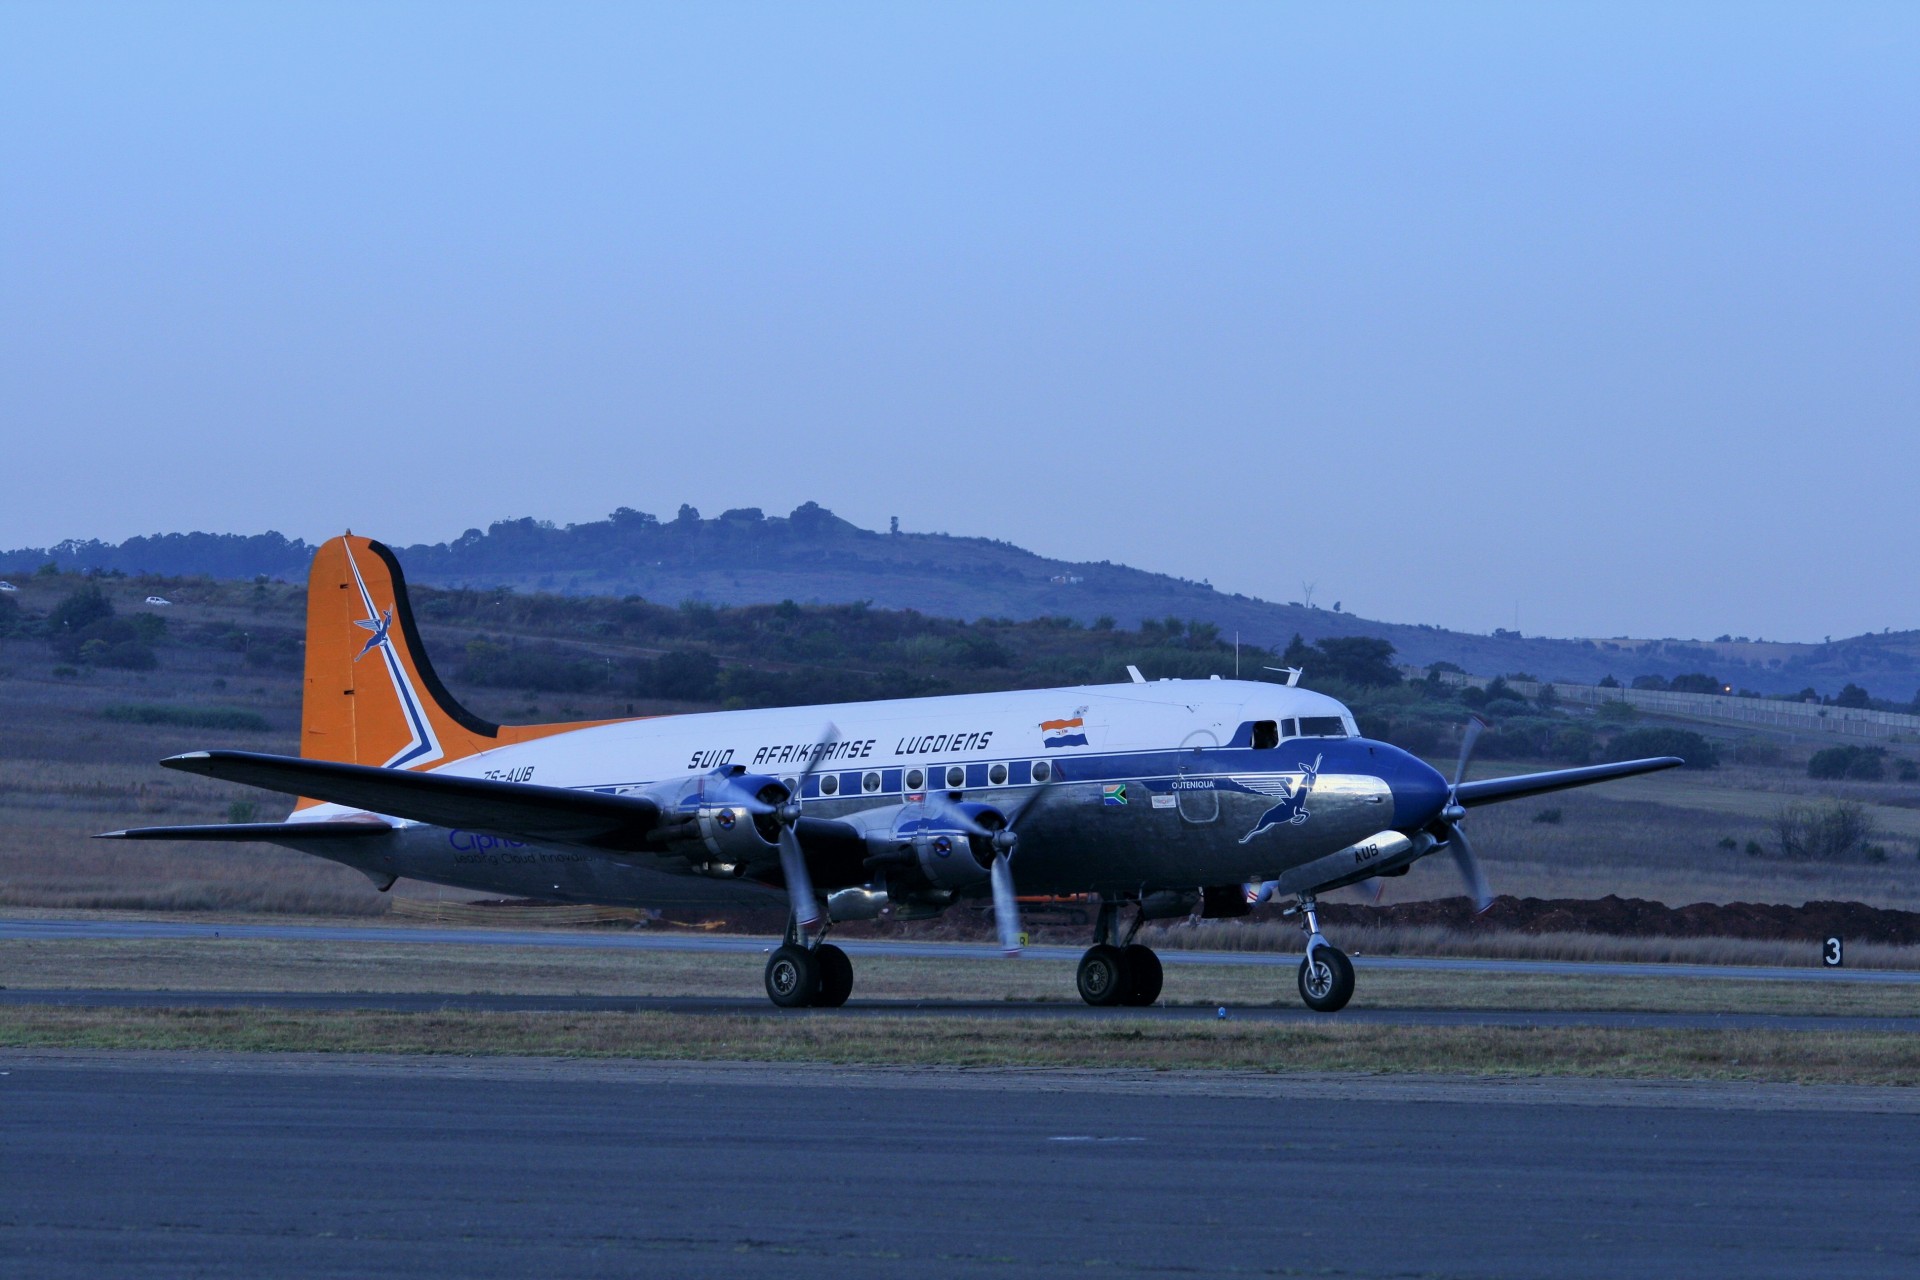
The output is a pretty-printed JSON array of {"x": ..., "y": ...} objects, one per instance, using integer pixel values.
[{"x": 1199, "y": 802}]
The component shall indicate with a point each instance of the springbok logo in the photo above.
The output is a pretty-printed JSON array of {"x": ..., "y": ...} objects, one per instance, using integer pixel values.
[
  {"x": 1291, "y": 790},
  {"x": 423, "y": 747},
  {"x": 379, "y": 626}
]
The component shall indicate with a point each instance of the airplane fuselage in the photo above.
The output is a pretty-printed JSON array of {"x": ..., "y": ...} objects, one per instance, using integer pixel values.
[{"x": 1169, "y": 785}]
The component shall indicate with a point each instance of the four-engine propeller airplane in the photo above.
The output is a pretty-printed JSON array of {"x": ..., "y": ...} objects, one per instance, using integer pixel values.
[{"x": 1158, "y": 798}]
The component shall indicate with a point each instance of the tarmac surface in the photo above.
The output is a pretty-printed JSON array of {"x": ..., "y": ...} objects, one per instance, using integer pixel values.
[
  {"x": 300, "y": 1165},
  {"x": 428, "y": 1002},
  {"x": 39, "y": 930}
]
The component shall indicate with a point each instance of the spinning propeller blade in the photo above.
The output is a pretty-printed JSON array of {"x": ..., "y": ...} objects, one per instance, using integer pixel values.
[
  {"x": 1477, "y": 887},
  {"x": 1006, "y": 908},
  {"x": 793, "y": 859}
]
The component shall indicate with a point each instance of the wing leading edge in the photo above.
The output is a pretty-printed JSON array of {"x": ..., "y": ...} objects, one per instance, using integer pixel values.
[
  {"x": 1493, "y": 790},
  {"x": 522, "y": 810}
]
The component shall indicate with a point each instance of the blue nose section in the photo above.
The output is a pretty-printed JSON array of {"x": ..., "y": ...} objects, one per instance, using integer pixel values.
[{"x": 1419, "y": 790}]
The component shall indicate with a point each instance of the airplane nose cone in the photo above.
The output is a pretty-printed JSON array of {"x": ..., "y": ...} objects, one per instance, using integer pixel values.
[{"x": 1419, "y": 790}]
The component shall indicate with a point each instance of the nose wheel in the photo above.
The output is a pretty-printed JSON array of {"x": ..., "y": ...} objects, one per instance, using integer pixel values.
[{"x": 1326, "y": 975}]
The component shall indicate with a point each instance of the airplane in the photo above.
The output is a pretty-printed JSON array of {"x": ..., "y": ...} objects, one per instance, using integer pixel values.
[{"x": 1153, "y": 798}]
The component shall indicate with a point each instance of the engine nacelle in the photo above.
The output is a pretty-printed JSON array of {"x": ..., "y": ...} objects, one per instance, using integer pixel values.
[
  {"x": 718, "y": 810},
  {"x": 928, "y": 840}
]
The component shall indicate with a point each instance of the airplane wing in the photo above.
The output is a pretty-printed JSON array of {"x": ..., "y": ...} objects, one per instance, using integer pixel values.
[
  {"x": 1493, "y": 790},
  {"x": 346, "y": 828},
  {"x": 521, "y": 810}
]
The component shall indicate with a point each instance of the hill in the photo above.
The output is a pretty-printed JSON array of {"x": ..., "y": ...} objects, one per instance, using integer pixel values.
[{"x": 814, "y": 557}]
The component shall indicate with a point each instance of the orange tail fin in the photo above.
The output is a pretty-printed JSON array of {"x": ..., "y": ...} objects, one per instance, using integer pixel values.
[{"x": 372, "y": 697}]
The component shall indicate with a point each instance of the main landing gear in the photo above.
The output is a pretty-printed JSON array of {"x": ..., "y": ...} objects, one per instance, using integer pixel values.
[
  {"x": 1126, "y": 974},
  {"x": 1326, "y": 975},
  {"x": 802, "y": 977}
]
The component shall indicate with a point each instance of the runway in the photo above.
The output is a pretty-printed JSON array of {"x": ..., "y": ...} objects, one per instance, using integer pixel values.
[
  {"x": 634, "y": 940},
  {"x": 164, "y": 1165},
  {"x": 428, "y": 1002}
]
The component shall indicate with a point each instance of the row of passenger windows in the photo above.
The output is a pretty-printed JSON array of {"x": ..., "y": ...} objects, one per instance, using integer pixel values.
[
  {"x": 952, "y": 778},
  {"x": 1268, "y": 733}
]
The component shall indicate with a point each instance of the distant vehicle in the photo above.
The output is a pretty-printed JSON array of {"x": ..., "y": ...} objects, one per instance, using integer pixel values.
[
  {"x": 8, "y": 586},
  {"x": 158, "y": 600},
  {"x": 1159, "y": 798}
]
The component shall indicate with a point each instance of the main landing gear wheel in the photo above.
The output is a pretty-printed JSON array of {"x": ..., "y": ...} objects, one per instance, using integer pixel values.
[
  {"x": 1103, "y": 976},
  {"x": 1143, "y": 975},
  {"x": 793, "y": 977},
  {"x": 836, "y": 976},
  {"x": 1326, "y": 979}
]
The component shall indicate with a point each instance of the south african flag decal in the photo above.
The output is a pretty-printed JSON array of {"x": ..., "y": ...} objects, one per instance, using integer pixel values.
[{"x": 1114, "y": 795}]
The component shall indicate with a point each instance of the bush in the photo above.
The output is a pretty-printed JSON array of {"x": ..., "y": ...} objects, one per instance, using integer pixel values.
[
  {"x": 1863, "y": 764},
  {"x": 1615, "y": 711},
  {"x": 129, "y": 655},
  {"x": 1637, "y": 744},
  {"x": 1695, "y": 682},
  {"x": 1824, "y": 832},
  {"x": 186, "y": 717}
]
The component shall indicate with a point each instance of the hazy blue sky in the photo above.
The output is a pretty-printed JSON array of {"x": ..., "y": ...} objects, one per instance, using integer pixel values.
[{"x": 1607, "y": 314}]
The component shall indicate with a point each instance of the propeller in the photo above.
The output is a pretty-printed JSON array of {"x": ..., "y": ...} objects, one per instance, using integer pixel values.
[
  {"x": 1006, "y": 903},
  {"x": 1450, "y": 817},
  {"x": 793, "y": 859}
]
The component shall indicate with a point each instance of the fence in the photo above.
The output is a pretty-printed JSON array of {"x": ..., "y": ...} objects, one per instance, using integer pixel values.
[{"x": 1794, "y": 717}]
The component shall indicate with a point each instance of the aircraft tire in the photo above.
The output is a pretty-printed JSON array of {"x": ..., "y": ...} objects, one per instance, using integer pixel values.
[
  {"x": 1144, "y": 976},
  {"x": 836, "y": 976},
  {"x": 1103, "y": 975},
  {"x": 1330, "y": 985},
  {"x": 793, "y": 977}
]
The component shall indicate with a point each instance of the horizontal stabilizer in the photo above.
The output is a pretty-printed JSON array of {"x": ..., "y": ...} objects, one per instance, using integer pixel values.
[
  {"x": 1534, "y": 784},
  {"x": 276, "y": 832},
  {"x": 521, "y": 810}
]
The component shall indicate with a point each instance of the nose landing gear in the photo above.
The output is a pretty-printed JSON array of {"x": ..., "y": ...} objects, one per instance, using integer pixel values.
[{"x": 1326, "y": 975}]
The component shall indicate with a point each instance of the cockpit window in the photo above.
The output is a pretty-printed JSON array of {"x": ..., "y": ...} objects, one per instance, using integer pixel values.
[
  {"x": 1322, "y": 727},
  {"x": 1266, "y": 734}
]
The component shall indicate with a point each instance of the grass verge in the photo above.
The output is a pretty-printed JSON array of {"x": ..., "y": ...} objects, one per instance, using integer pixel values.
[{"x": 1761, "y": 1056}]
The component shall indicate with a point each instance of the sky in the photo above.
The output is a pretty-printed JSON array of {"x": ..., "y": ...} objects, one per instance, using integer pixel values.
[{"x": 1585, "y": 320}]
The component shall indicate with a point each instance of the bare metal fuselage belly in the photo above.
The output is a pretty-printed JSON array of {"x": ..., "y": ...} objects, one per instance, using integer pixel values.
[{"x": 1082, "y": 838}]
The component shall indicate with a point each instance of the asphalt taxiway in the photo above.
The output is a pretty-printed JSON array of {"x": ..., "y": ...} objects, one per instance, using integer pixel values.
[
  {"x": 636, "y": 940},
  {"x": 178, "y": 1164}
]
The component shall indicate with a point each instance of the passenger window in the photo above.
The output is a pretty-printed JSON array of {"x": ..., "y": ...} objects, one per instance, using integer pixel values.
[
  {"x": 916, "y": 780},
  {"x": 1042, "y": 771},
  {"x": 1266, "y": 735},
  {"x": 956, "y": 777},
  {"x": 870, "y": 782},
  {"x": 997, "y": 775},
  {"x": 1322, "y": 727},
  {"x": 829, "y": 784}
]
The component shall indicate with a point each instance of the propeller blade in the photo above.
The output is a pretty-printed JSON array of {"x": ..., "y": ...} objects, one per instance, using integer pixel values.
[
  {"x": 793, "y": 866},
  {"x": 1006, "y": 907},
  {"x": 1477, "y": 887},
  {"x": 818, "y": 755},
  {"x": 1475, "y": 727}
]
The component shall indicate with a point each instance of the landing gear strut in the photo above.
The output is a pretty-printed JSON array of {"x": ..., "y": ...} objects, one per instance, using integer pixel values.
[
  {"x": 1123, "y": 974},
  {"x": 1326, "y": 975},
  {"x": 800, "y": 977}
]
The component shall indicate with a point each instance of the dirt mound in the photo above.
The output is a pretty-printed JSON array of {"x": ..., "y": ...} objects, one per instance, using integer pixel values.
[{"x": 1641, "y": 918}]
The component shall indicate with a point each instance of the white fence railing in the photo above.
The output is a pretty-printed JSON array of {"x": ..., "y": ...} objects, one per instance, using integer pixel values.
[{"x": 1795, "y": 717}]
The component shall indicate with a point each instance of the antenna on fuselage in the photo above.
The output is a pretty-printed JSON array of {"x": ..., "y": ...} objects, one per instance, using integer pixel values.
[
  {"x": 1133, "y": 674},
  {"x": 1293, "y": 674}
]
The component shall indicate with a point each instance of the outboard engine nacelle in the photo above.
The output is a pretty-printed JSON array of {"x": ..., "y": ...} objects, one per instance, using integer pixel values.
[{"x": 731, "y": 813}]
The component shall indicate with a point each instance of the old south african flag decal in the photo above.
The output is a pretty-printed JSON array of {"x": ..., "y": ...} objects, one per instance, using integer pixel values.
[
  {"x": 1063, "y": 733},
  {"x": 1114, "y": 794}
]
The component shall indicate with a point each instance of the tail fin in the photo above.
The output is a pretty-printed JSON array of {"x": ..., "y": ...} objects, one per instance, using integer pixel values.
[{"x": 372, "y": 698}]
